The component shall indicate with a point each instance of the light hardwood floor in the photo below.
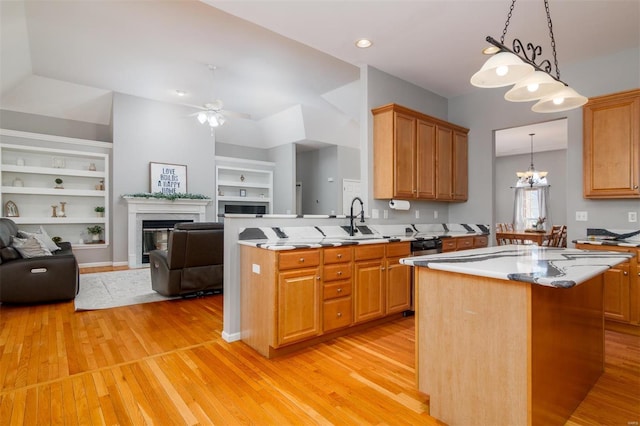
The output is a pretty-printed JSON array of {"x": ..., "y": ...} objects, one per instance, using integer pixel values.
[{"x": 165, "y": 363}]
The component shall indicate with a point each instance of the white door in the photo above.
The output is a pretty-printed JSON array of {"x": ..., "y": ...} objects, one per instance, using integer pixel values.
[{"x": 350, "y": 189}]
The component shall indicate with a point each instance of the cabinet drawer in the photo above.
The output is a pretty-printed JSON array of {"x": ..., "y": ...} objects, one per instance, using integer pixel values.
[
  {"x": 299, "y": 259},
  {"x": 339, "y": 271},
  {"x": 464, "y": 243},
  {"x": 369, "y": 251},
  {"x": 480, "y": 241},
  {"x": 398, "y": 249},
  {"x": 337, "y": 314},
  {"x": 448, "y": 244},
  {"x": 337, "y": 289},
  {"x": 338, "y": 255}
]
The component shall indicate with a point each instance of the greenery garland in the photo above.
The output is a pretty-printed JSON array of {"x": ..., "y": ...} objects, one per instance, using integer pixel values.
[{"x": 171, "y": 197}]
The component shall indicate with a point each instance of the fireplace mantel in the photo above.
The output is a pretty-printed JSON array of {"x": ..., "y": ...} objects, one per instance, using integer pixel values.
[{"x": 139, "y": 208}]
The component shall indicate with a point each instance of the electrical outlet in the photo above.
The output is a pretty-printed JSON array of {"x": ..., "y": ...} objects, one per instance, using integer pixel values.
[
  {"x": 417, "y": 214},
  {"x": 633, "y": 216},
  {"x": 435, "y": 214},
  {"x": 582, "y": 216},
  {"x": 385, "y": 214},
  {"x": 375, "y": 213}
]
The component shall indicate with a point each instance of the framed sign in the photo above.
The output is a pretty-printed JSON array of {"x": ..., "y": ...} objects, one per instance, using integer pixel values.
[{"x": 167, "y": 178}]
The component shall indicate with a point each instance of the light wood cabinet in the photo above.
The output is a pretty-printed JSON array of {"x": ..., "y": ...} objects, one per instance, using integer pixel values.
[
  {"x": 398, "y": 278},
  {"x": 337, "y": 302},
  {"x": 417, "y": 156},
  {"x": 611, "y": 150},
  {"x": 464, "y": 243},
  {"x": 621, "y": 289},
  {"x": 294, "y": 298},
  {"x": 368, "y": 283}
]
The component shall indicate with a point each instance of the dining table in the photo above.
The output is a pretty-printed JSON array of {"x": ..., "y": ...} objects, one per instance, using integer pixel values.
[{"x": 520, "y": 237}]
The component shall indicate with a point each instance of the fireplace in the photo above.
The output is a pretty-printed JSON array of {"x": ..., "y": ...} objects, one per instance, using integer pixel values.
[
  {"x": 155, "y": 235},
  {"x": 145, "y": 209}
]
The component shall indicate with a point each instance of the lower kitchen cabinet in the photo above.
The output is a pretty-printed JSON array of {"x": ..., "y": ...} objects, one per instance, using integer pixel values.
[
  {"x": 464, "y": 243},
  {"x": 292, "y": 297},
  {"x": 621, "y": 290},
  {"x": 298, "y": 305}
]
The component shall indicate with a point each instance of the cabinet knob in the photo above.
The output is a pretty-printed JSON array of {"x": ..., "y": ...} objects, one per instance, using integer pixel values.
[
  {"x": 635, "y": 187},
  {"x": 339, "y": 314},
  {"x": 339, "y": 255},
  {"x": 302, "y": 260},
  {"x": 382, "y": 269},
  {"x": 625, "y": 273},
  {"x": 339, "y": 273},
  {"x": 318, "y": 278},
  {"x": 339, "y": 290}
]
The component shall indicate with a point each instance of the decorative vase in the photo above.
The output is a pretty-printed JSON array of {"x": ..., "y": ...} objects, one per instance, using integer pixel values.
[{"x": 95, "y": 237}]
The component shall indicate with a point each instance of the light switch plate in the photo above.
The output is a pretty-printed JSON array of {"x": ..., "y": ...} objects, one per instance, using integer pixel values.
[
  {"x": 417, "y": 214},
  {"x": 582, "y": 216},
  {"x": 375, "y": 213},
  {"x": 633, "y": 216}
]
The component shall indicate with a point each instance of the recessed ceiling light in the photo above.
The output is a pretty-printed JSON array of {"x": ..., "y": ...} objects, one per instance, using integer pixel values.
[
  {"x": 363, "y": 43},
  {"x": 180, "y": 92}
]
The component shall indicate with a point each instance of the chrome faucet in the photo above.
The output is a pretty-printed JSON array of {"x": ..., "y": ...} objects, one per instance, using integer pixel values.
[{"x": 352, "y": 229}]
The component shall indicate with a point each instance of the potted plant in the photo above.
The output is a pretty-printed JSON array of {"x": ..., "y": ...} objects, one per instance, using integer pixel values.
[
  {"x": 58, "y": 182},
  {"x": 100, "y": 211},
  {"x": 56, "y": 239},
  {"x": 95, "y": 232}
]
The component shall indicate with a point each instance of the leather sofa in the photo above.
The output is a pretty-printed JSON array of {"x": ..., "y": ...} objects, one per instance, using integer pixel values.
[
  {"x": 192, "y": 263},
  {"x": 41, "y": 279}
]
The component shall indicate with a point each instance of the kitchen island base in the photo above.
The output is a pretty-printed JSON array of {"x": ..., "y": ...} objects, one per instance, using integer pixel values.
[{"x": 498, "y": 352}]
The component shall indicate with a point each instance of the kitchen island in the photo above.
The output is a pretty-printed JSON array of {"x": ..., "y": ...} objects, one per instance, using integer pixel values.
[{"x": 509, "y": 335}]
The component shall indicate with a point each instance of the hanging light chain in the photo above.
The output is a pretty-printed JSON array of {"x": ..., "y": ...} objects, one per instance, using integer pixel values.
[
  {"x": 506, "y": 24},
  {"x": 553, "y": 40}
]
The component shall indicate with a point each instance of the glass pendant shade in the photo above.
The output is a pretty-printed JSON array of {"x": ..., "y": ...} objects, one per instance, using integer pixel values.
[
  {"x": 202, "y": 117},
  {"x": 535, "y": 86},
  {"x": 563, "y": 100},
  {"x": 502, "y": 69}
]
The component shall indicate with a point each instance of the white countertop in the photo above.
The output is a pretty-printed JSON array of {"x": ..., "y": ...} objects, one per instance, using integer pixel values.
[{"x": 548, "y": 266}]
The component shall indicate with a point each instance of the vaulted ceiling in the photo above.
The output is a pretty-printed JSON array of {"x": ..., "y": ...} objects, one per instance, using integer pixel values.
[{"x": 64, "y": 59}]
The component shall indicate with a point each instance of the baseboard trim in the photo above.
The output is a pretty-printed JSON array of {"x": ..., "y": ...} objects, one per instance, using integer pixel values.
[{"x": 231, "y": 337}]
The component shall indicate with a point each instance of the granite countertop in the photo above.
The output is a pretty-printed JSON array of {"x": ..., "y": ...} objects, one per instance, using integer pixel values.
[
  {"x": 611, "y": 237},
  {"x": 548, "y": 266},
  {"x": 290, "y": 238}
]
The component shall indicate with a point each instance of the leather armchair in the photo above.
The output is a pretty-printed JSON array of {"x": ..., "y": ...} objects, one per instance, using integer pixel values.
[
  {"x": 37, "y": 279},
  {"x": 193, "y": 261}
]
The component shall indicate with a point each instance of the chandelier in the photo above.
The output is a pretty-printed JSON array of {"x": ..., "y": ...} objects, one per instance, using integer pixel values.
[
  {"x": 532, "y": 177},
  {"x": 212, "y": 117},
  {"x": 532, "y": 81}
]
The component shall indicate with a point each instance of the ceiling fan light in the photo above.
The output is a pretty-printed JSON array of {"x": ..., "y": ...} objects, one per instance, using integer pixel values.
[
  {"x": 220, "y": 118},
  {"x": 213, "y": 121},
  {"x": 500, "y": 70},
  {"x": 202, "y": 117},
  {"x": 535, "y": 86},
  {"x": 563, "y": 100}
]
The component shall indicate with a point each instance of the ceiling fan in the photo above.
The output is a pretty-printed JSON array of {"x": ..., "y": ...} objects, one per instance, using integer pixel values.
[{"x": 213, "y": 114}]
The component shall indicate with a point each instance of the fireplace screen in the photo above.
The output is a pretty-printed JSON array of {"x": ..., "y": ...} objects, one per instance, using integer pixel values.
[{"x": 155, "y": 235}]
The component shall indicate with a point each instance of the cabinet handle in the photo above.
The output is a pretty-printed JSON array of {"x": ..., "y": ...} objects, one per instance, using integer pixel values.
[
  {"x": 339, "y": 290},
  {"x": 302, "y": 260},
  {"x": 339, "y": 314},
  {"x": 339, "y": 255}
]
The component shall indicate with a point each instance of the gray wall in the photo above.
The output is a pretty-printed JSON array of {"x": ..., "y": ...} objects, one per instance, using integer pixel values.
[
  {"x": 383, "y": 89},
  {"x": 484, "y": 111},
  {"x": 147, "y": 131},
  {"x": 554, "y": 162},
  {"x": 284, "y": 178},
  {"x": 239, "y": 151},
  {"x": 54, "y": 126}
]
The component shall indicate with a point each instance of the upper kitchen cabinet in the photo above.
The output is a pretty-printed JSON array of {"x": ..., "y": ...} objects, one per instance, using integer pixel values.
[
  {"x": 418, "y": 157},
  {"x": 612, "y": 146}
]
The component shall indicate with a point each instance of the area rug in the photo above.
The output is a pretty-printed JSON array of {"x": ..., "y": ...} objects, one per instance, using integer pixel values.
[{"x": 105, "y": 290}]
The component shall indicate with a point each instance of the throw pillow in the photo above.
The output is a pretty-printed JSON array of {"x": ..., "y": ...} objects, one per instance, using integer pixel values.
[
  {"x": 29, "y": 247},
  {"x": 43, "y": 237}
]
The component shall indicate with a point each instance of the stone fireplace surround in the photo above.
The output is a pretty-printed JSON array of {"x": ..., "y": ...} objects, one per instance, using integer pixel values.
[{"x": 139, "y": 209}]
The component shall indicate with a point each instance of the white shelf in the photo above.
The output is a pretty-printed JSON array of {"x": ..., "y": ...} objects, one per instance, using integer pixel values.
[
  {"x": 57, "y": 220},
  {"x": 52, "y": 191},
  {"x": 254, "y": 179},
  {"x": 52, "y": 171},
  {"x": 247, "y": 199},
  {"x": 31, "y": 158},
  {"x": 244, "y": 184}
]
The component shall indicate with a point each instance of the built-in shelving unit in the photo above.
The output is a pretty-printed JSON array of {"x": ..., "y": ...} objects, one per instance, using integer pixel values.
[
  {"x": 30, "y": 163},
  {"x": 244, "y": 183}
]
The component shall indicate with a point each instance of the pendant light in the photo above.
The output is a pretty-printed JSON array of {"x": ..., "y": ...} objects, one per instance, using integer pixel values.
[
  {"x": 532, "y": 177},
  {"x": 532, "y": 81}
]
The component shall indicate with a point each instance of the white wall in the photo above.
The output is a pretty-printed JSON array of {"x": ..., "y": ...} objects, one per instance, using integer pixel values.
[{"x": 284, "y": 178}]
